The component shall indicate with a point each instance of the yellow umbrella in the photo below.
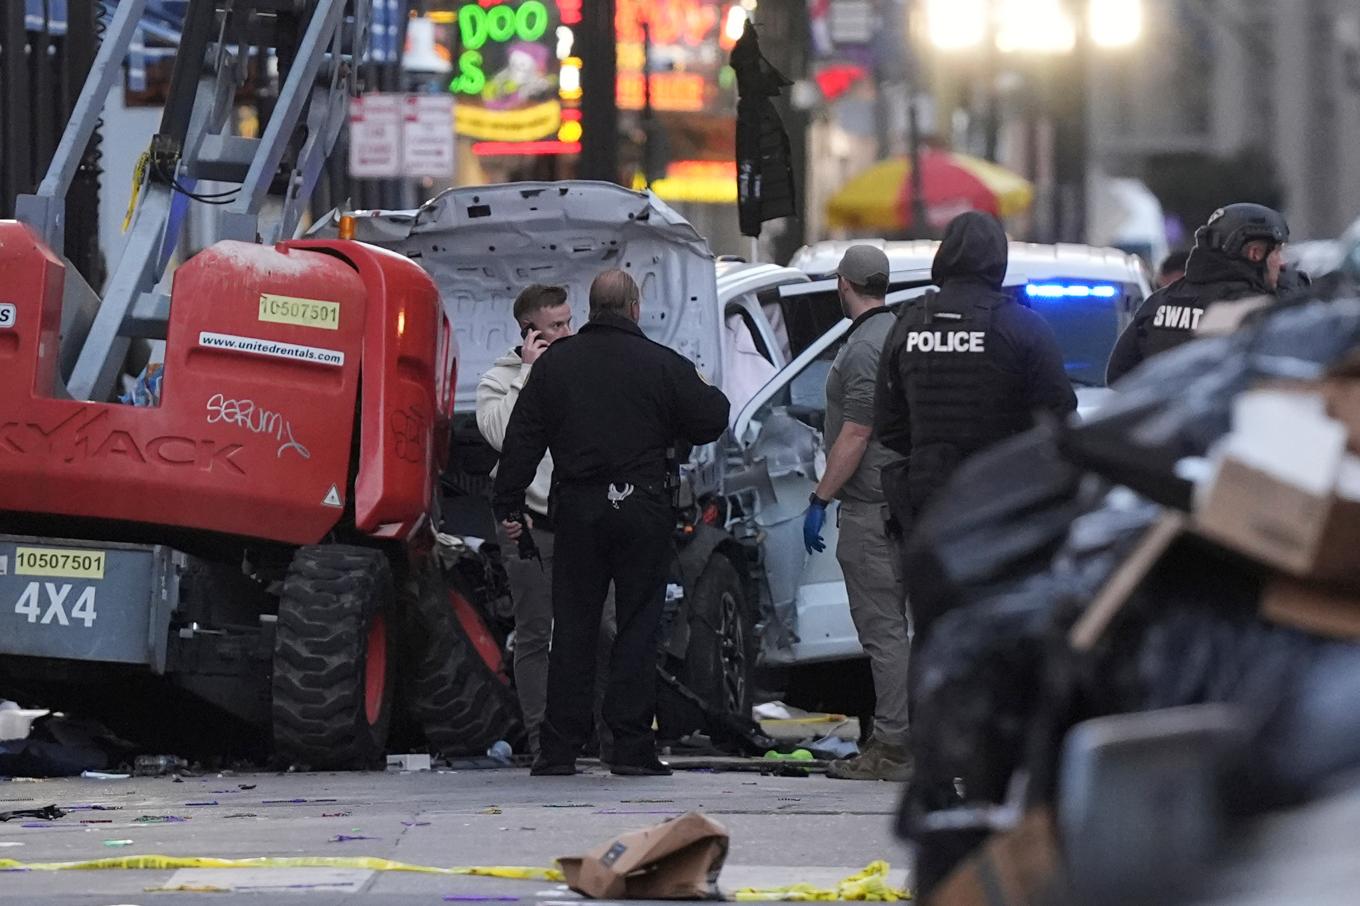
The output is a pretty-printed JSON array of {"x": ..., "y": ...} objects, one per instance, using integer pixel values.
[{"x": 879, "y": 199}]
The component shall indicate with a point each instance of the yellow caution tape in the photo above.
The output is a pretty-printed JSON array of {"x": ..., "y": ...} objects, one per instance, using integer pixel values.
[
  {"x": 170, "y": 863},
  {"x": 870, "y": 884},
  {"x": 138, "y": 177}
]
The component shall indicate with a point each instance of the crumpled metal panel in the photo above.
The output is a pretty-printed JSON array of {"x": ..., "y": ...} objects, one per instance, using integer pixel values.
[{"x": 483, "y": 244}]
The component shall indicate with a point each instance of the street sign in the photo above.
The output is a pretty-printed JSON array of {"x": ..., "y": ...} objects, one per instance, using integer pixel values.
[
  {"x": 375, "y": 127},
  {"x": 428, "y": 136}
]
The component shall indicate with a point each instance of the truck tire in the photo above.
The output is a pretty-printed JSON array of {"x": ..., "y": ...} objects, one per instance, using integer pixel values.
[
  {"x": 462, "y": 703},
  {"x": 720, "y": 657},
  {"x": 333, "y": 659}
]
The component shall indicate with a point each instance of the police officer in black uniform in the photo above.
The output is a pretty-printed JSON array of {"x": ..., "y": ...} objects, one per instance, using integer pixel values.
[
  {"x": 963, "y": 368},
  {"x": 1236, "y": 255},
  {"x": 608, "y": 403}
]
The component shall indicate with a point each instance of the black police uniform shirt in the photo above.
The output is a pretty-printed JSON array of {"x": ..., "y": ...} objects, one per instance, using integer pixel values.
[
  {"x": 1171, "y": 315},
  {"x": 964, "y": 367},
  {"x": 608, "y": 402}
]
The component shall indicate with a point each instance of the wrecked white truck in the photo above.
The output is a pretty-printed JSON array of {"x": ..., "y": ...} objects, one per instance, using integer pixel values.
[{"x": 743, "y": 592}]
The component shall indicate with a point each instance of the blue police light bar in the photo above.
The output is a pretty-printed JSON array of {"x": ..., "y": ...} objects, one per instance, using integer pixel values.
[{"x": 1071, "y": 290}]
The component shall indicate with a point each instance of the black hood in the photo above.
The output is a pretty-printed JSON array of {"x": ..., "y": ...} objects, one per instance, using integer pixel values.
[
  {"x": 1208, "y": 265},
  {"x": 974, "y": 248}
]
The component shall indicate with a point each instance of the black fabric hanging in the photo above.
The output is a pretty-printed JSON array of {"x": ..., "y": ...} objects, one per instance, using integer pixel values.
[{"x": 765, "y": 187}]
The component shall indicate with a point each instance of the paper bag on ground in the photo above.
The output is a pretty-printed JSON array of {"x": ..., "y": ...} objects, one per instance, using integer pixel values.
[{"x": 677, "y": 860}]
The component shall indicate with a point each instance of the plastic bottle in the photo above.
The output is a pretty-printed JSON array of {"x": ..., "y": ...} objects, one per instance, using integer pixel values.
[{"x": 501, "y": 753}]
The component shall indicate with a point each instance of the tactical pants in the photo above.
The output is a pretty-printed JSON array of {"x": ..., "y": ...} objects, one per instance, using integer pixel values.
[
  {"x": 872, "y": 564},
  {"x": 628, "y": 542}
]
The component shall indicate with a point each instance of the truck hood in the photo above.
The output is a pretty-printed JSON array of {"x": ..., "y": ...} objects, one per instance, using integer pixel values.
[{"x": 483, "y": 244}]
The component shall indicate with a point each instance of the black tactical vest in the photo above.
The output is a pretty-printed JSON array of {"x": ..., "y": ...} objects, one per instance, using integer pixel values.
[
  {"x": 1179, "y": 308},
  {"x": 948, "y": 364}
]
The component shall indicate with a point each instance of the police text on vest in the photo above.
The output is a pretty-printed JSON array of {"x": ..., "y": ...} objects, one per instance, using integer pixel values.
[
  {"x": 946, "y": 341},
  {"x": 1177, "y": 317}
]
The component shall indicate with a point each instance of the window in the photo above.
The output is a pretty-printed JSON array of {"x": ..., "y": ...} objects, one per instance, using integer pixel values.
[
  {"x": 800, "y": 319},
  {"x": 804, "y": 397},
  {"x": 1086, "y": 327}
]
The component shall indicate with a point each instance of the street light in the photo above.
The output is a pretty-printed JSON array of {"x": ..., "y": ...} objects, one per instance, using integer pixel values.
[
  {"x": 956, "y": 24},
  {"x": 1034, "y": 26},
  {"x": 1031, "y": 26},
  {"x": 1115, "y": 23}
]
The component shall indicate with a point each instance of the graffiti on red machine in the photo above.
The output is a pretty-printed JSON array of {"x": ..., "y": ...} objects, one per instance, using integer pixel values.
[
  {"x": 257, "y": 420},
  {"x": 408, "y": 434},
  {"x": 81, "y": 437}
]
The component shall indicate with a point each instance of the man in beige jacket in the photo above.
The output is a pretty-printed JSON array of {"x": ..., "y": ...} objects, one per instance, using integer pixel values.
[{"x": 543, "y": 316}]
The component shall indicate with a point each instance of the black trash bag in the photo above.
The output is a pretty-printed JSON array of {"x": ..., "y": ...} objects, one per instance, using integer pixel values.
[
  {"x": 1191, "y": 635},
  {"x": 987, "y": 530},
  {"x": 978, "y": 681},
  {"x": 36, "y": 758}
]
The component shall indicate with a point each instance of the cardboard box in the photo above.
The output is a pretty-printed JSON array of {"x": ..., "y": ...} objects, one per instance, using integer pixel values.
[
  {"x": 1307, "y": 535},
  {"x": 677, "y": 860},
  {"x": 1312, "y": 608},
  {"x": 1287, "y": 491},
  {"x": 1021, "y": 867}
]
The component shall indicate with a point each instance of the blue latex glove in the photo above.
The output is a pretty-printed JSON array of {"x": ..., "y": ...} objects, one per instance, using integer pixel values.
[{"x": 812, "y": 529}]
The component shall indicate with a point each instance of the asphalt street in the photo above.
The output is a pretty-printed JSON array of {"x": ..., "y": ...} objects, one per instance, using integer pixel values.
[{"x": 784, "y": 830}]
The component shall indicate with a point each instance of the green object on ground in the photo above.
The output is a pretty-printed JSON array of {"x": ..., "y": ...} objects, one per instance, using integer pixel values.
[{"x": 795, "y": 755}]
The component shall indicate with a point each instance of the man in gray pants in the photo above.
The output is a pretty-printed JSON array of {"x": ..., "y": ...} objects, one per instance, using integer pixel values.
[
  {"x": 543, "y": 316},
  {"x": 869, "y": 555}
]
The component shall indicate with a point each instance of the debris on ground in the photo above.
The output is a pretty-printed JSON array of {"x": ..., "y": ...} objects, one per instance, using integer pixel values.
[
  {"x": 47, "y": 813},
  {"x": 871, "y": 884},
  {"x": 16, "y": 722},
  {"x": 679, "y": 859},
  {"x": 158, "y": 765},
  {"x": 408, "y": 762}
]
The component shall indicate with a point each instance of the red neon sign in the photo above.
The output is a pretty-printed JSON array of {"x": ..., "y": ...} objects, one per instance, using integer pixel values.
[
  {"x": 687, "y": 22},
  {"x": 569, "y": 11},
  {"x": 675, "y": 91}
]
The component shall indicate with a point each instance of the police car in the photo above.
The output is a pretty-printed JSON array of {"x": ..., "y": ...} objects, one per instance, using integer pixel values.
[
  {"x": 743, "y": 589},
  {"x": 791, "y": 317}
]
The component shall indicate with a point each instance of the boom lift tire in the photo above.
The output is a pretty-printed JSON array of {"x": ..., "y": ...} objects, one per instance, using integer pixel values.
[
  {"x": 334, "y": 664},
  {"x": 463, "y": 706},
  {"x": 720, "y": 658}
]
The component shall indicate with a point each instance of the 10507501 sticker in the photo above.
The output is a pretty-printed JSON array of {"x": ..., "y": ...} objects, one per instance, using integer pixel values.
[
  {"x": 302, "y": 312},
  {"x": 58, "y": 563},
  {"x": 9, "y": 314}
]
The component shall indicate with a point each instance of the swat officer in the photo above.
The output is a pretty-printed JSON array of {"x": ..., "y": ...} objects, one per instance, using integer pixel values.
[
  {"x": 1237, "y": 254},
  {"x": 963, "y": 368},
  {"x": 607, "y": 403}
]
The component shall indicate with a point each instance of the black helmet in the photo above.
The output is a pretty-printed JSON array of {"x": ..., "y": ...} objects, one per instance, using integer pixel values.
[{"x": 1231, "y": 227}]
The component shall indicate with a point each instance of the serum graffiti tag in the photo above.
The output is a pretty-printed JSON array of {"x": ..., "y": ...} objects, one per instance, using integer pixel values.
[{"x": 257, "y": 420}]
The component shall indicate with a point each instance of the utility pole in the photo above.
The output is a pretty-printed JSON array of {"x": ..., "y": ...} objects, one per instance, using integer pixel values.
[
  {"x": 920, "y": 226},
  {"x": 1070, "y": 153},
  {"x": 599, "y": 87}
]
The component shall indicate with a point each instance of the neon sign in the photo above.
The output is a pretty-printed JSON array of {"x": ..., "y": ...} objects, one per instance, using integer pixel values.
[{"x": 498, "y": 24}]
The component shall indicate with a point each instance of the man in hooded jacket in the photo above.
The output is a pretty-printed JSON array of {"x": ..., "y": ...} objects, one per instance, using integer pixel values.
[
  {"x": 964, "y": 367},
  {"x": 1237, "y": 255}
]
